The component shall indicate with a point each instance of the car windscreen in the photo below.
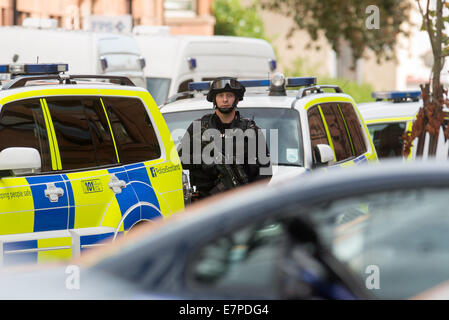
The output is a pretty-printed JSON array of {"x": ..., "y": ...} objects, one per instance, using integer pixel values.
[
  {"x": 282, "y": 130},
  {"x": 387, "y": 138},
  {"x": 158, "y": 88}
]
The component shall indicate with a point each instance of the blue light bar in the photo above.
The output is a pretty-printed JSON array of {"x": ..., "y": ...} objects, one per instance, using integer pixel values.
[
  {"x": 204, "y": 85},
  {"x": 301, "y": 81},
  {"x": 396, "y": 95},
  {"x": 200, "y": 85},
  {"x": 255, "y": 83},
  {"x": 291, "y": 82},
  {"x": 45, "y": 68},
  {"x": 41, "y": 68}
]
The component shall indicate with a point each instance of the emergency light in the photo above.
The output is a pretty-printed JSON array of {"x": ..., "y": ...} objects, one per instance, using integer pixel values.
[
  {"x": 291, "y": 82},
  {"x": 301, "y": 81},
  {"x": 199, "y": 86},
  {"x": 33, "y": 69},
  {"x": 272, "y": 63},
  {"x": 396, "y": 95},
  {"x": 192, "y": 63}
]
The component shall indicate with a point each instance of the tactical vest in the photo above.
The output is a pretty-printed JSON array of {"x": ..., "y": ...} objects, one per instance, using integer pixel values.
[{"x": 243, "y": 124}]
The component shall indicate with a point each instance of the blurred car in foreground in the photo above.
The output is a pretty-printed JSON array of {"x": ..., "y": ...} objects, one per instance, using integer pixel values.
[{"x": 378, "y": 231}]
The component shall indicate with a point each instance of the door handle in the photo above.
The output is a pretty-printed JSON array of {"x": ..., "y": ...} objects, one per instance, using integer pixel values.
[
  {"x": 116, "y": 184},
  {"x": 53, "y": 193}
]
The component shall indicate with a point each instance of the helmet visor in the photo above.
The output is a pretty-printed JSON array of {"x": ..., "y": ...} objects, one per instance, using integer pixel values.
[{"x": 221, "y": 84}]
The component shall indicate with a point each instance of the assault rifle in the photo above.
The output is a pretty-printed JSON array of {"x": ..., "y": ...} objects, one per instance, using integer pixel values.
[{"x": 230, "y": 175}]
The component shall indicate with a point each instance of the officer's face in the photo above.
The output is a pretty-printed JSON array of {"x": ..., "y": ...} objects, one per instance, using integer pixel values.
[{"x": 225, "y": 99}]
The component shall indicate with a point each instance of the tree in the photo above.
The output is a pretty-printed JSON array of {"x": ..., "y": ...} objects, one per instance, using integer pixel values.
[
  {"x": 347, "y": 20},
  {"x": 232, "y": 19},
  {"x": 431, "y": 116}
]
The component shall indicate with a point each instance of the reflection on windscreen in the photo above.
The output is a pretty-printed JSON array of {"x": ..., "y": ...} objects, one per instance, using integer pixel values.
[
  {"x": 158, "y": 88},
  {"x": 282, "y": 133},
  {"x": 396, "y": 241}
]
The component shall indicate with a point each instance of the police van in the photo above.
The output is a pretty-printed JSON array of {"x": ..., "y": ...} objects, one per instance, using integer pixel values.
[
  {"x": 173, "y": 61},
  {"x": 86, "y": 52},
  {"x": 83, "y": 158},
  {"x": 305, "y": 125}
]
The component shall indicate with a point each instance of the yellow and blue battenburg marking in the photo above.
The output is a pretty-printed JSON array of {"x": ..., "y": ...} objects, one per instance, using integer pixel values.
[
  {"x": 148, "y": 207},
  {"x": 49, "y": 215},
  {"x": 56, "y": 216},
  {"x": 136, "y": 201}
]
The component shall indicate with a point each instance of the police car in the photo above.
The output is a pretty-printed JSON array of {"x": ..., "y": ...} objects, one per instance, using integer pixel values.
[
  {"x": 388, "y": 118},
  {"x": 83, "y": 158},
  {"x": 305, "y": 128}
]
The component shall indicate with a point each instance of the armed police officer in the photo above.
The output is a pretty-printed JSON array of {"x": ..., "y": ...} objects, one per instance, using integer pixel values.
[{"x": 223, "y": 150}]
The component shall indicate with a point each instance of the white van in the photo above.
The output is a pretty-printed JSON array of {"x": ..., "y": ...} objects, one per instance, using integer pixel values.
[
  {"x": 175, "y": 60},
  {"x": 85, "y": 52}
]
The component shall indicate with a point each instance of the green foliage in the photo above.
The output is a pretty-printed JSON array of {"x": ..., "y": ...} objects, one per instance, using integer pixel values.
[
  {"x": 232, "y": 19},
  {"x": 346, "y": 19},
  {"x": 360, "y": 92}
]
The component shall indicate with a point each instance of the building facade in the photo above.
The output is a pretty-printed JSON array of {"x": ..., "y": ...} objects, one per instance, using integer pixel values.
[{"x": 182, "y": 16}]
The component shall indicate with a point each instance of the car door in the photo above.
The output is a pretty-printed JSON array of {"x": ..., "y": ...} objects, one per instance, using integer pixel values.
[
  {"x": 31, "y": 203},
  {"x": 97, "y": 185},
  {"x": 140, "y": 152},
  {"x": 337, "y": 125},
  {"x": 269, "y": 259}
]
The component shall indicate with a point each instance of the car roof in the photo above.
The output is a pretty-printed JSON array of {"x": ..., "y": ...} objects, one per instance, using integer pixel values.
[
  {"x": 250, "y": 100},
  {"x": 80, "y": 86},
  {"x": 389, "y": 109},
  {"x": 216, "y": 214}
]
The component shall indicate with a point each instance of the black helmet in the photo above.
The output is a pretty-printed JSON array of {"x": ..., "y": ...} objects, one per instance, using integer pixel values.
[{"x": 226, "y": 84}]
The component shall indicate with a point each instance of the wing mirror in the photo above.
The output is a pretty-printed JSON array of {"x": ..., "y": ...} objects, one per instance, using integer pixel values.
[
  {"x": 323, "y": 154},
  {"x": 20, "y": 161}
]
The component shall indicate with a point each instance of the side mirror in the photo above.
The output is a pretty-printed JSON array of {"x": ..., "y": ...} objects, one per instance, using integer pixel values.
[
  {"x": 20, "y": 161},
  {"x": 323, "y": 154}
]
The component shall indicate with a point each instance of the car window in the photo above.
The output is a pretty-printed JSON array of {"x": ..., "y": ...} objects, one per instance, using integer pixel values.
[
  {"x": 101, "y": 134},
  {"x": 316, "y": 128},
  {"x": 178, "y": 122},
  {"x": 133, "y": 130},
  {"x": 282, "y": 126},
  {"x": 83, "y": 139},
  {"x": 338, "y": 131},
  {"x": 387, "y": 138},
  {"x": 242, "y": 260},
  {"x": 184, "y": 86},
  {"x": 354, "y": 128},
  {"x": 22, "y": 125},
  {"x": 395, "y": 241},
  {"x": 158, "y": 87}
]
